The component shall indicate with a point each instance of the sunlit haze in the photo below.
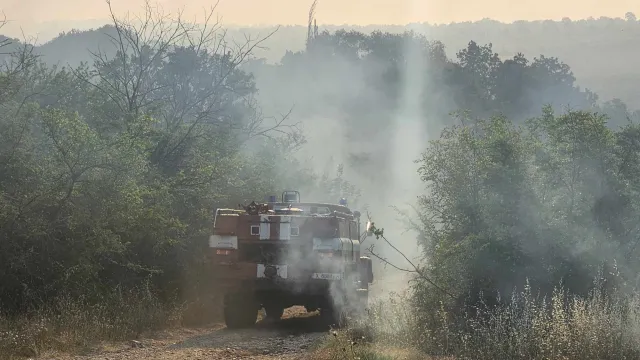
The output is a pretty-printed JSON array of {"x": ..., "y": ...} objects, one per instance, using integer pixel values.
[{"x": 40, "y": 17}]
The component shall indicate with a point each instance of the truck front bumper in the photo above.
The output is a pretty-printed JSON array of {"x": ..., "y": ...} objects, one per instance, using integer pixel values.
[{"x": 251, "y": 277}]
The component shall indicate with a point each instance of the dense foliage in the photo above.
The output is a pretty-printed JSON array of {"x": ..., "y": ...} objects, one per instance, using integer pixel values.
[
  {"x": 109, "y": 174},
  {"x": 551, "y": 201}
]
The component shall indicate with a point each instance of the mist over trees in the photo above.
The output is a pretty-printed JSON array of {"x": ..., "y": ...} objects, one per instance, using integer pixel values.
[
  {"x": 602, "y": 51},
  {"x": 110, "y": 170}
]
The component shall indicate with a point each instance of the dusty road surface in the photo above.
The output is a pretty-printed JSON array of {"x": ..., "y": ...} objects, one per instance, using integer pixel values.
[{"x": 292, "y": 338}]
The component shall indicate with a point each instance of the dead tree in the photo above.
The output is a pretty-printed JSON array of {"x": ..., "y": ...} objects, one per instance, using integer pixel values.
[{"x": 312, "y": 27}]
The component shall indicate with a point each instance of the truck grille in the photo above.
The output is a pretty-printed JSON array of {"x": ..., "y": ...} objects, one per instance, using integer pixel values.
[{"x": 263, "y": 253}]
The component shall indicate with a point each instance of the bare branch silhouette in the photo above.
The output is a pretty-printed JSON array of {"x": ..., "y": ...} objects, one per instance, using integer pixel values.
[{"x": 413, "y": 269}]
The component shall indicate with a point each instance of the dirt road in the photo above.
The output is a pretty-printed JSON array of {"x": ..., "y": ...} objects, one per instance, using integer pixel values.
[{"x": 294, "y": 337}]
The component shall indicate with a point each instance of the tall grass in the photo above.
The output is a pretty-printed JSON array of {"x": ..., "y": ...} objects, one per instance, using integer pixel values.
[
  {"x": 392, "y": 320},
  {"x": 562, "y": 326},
  {"x": 71, "y": 325}
]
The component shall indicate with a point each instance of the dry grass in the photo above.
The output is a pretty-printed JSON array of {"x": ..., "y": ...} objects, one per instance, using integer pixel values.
[
  {"x": 76, "y": 326},
  {"x": 386, "y": 332},
  {"x": 344, "y": 346},
  {"x": 565, "y": 328}
]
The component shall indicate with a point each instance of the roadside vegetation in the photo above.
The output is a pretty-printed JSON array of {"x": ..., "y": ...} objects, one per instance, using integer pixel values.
[
  {"x": 537, "y": 257},
  {"x": 110, "y": 173}
]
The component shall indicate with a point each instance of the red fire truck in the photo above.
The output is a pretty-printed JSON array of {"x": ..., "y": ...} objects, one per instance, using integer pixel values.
[{"x": 279, "y": 254}]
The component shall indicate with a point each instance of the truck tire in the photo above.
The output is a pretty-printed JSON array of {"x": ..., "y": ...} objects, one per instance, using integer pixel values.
[
  {"x": 365, "y": 269},
  {"x": 239, "y": 313},
  {"x": 363, "y": 300},
  {"x": 335, "y": 316},
  {"x": 274, "y": 312}
]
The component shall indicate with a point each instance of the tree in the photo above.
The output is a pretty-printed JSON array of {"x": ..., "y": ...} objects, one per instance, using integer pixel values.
[
  {"x": 110, "y": 171},
  {"x": 631, "y": 17},
  {"x": 508, "y": 205}
]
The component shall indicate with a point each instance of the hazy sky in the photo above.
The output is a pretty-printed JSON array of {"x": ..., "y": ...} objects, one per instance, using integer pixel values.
[{"x": 37, "y": 15}]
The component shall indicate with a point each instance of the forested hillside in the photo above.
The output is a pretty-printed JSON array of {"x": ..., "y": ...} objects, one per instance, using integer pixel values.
[
  {"x": 609, "y": 44},
  {"x": 110, "y": 172}
]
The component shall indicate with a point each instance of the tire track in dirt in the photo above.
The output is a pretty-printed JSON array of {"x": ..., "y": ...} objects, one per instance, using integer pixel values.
[
  {"x": 291, "y": 338},
  {"x": 296, "y": 333}
]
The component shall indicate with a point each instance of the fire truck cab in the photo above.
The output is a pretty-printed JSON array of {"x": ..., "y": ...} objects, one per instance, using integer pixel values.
[{"x": 279, "y": 254}]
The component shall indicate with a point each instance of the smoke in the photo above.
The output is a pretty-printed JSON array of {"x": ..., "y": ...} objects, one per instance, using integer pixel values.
[
  {"x": 376, "y": 136},
  {"x": 407, "y": 144}
]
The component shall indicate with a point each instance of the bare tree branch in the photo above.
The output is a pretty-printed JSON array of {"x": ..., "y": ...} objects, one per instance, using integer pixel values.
[
  {"x": 7, "y": 41},
  {"x": 414, "y": 269}
]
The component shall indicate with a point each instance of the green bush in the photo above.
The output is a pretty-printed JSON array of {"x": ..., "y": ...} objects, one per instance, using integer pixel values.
[{"x": 511, "y": 207}]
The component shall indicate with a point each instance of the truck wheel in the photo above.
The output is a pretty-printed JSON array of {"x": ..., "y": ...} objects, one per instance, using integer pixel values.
[
  {"x": 362, "y": 296},
  {"x": 340, "y": 318},
  {"x": 335, "y": 316},
  {"x": 274, "y": 312},
  {"x": 365, "y": 269},
  {"x": 364, "y": 277},
  {"x": 239, "y": 313}
]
